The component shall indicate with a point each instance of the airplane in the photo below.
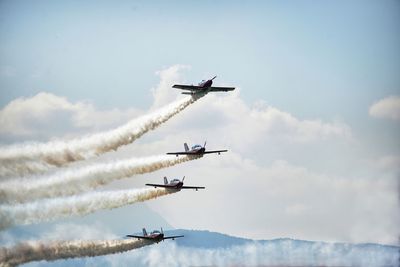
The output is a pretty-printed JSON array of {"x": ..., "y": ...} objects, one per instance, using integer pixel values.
[
  {"x": 202, "y": 88},
  {"x": 175, "y": 184},
  {"x": 155, "y": 236},
  {"x": 196, "y": 150}
]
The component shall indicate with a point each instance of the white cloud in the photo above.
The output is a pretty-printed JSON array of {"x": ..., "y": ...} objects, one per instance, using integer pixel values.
[
  {"x": 46, "y": 114},
  {"x": 226, "y": 120},
  {"x": 296, "y": 209},
  {"x": 389, "y": 163},
  {"x": 258, "y": 122},
  {"x": 387, "y": 108},
  {"x": 163, "y": 94},
  {"x": 282, "y": 200}
]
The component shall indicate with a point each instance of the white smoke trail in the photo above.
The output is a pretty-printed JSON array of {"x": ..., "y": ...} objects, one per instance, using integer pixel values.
[
  {"x": 59, "y": 153},
  {"x": 51, "y": 209},
  {"x": 73, "y": 181},
  {"x": 11, "y": 168},
  {"x": 50, "y": 251}
]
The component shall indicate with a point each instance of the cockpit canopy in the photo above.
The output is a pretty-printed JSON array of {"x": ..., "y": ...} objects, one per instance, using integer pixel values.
[{"x": 196, "y": 146}]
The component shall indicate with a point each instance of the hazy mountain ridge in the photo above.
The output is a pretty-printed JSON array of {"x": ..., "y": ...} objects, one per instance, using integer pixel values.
[{"x": 208, "y": 239}]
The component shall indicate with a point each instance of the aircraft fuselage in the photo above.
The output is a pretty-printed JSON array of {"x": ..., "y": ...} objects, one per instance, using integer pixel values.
[
  {"x": 198, "y": 150},
  {"x": 206, "y": 84},
  {"x": 156, "y": 237},
  {"x": 175, "y": 185}
]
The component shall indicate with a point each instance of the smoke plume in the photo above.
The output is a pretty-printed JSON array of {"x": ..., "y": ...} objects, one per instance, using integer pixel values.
[
  {"x": 51, "y": 209},
  {"x": 50, "y": 251},
  {"x": 59, "y": 153},
  {"x": 74, "y": 181}
]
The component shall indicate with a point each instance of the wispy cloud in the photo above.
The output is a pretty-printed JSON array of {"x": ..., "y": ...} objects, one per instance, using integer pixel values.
[
  {"x": 28, "y": 117},
  {"x": 386, "y": 108},
  {"x": 269, "y": 253}
]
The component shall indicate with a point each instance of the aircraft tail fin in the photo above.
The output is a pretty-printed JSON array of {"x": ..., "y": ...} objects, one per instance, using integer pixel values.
[
  {"x": 165, "y": 180},
  {"x": 186, "y": 147},
  {"x": 144, "y": 232}
]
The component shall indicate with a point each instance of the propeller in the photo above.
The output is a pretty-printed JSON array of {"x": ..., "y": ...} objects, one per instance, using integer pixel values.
[
  {"x": 214, "y": 78},
  {"x": 183, "y": 179},
  {"x": 205, "y": 144},
  {"x": 162, "y": 231}
]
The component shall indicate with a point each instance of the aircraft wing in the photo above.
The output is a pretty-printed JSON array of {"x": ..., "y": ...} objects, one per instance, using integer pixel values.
[
  {"x": 193, "y": 187},
  {"x": 160, "y": 185},
  {"x": 215, "y": 151},
  {"x": 141, "y": 237},
  {"x": 173, "y": 237},
  {"x": 186, "y": 87},
  {"x": 179, "y": 153},
  {"x": 221, "y": 89}
]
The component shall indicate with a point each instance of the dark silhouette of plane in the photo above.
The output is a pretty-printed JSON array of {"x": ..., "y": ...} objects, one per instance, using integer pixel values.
[
  {"x": 155, "y": 236},
  {"x": 196, "y": 150},
  {"x": 202, "y": 88},
  {"x": 175, "y": 184}
]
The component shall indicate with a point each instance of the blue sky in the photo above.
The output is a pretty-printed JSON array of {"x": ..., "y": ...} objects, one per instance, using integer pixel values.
[{"x": 295, "y": 62}]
